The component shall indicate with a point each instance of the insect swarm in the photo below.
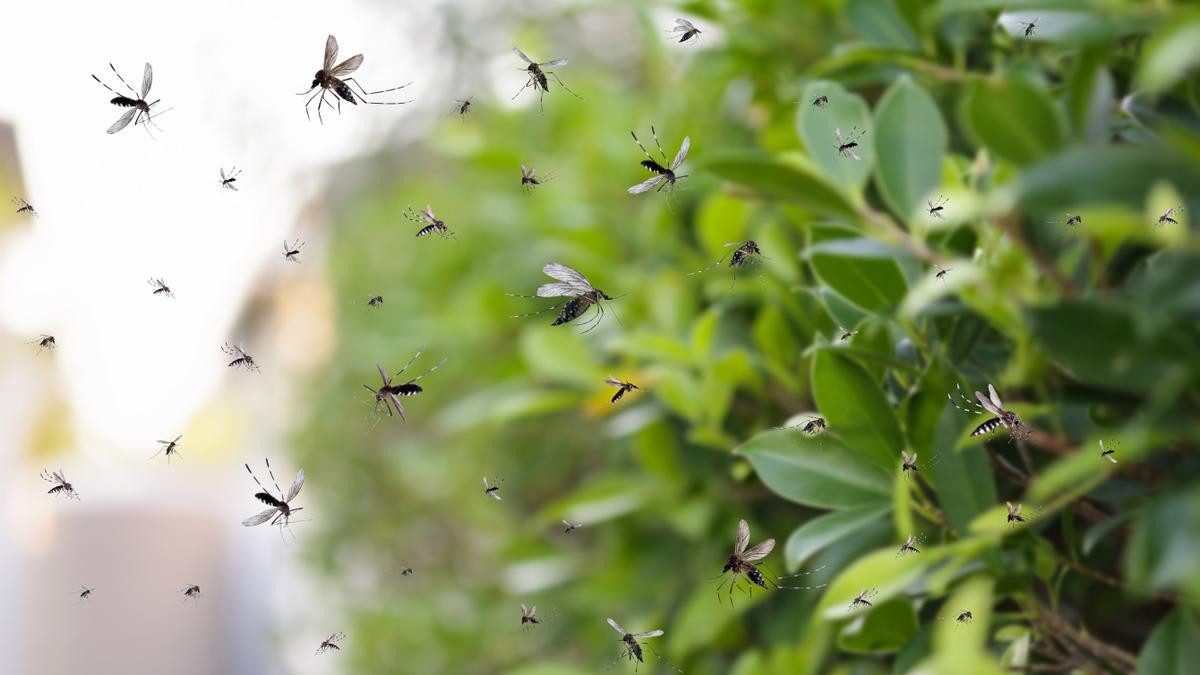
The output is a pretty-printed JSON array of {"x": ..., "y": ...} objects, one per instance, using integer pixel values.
[
  {"x": 227, "y": 182},
  {"x": 431, "y": 222},
  {"x": 61, "y": 486},
  {"x": 331, "y": 643},
  {"x": 530, "y": 180},
  {"x": 664, "y": 174},
  {"x": 537, "y": 77},
  {"x": 686, "y": 31},
  {"x": 936, "y": 207},
  {"x": 169, "y": 448},
  {"x": 862, "y": 599},
  {"x": 139, "y": 108},
  {"x": 24, "y": 206},
  {"x": 1003, "y": 418},
  {"x": 622, "y": 387},
  {"x": 388, "y": 394},
  {"x": 573, "y": 285},
  {"x": 1168, "y": 216},
  {"x": 160, "y": 288},
  {"x": 845, "y": 147},
  {"x": 633, "y": 648},
  {"x": 492, "y": 490},
  {"x": 241, "y": 358},
  {"x": 281, "y": 509},
  {"x": 745, "y": 562},
  {"x": 291, "y": 252},
  {"x": 336, "y": 79}
]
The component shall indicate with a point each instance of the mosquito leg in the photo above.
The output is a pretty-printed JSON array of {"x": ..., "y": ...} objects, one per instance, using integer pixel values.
[
  {"x": 527, "y": 83},
  {"x": 272, "y": 472},
  {"x": 654, "y": 133},
  {"x": 560, "y": 83},
  {"x": 104, "y": 85},
  {"x": 381, "y": 91},
  {"x": 639, "y": 144},
  {"x": 410, "y": 361}
]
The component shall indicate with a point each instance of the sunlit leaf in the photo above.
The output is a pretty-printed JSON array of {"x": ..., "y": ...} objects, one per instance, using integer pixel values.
[{"x": 817, "y": 471}]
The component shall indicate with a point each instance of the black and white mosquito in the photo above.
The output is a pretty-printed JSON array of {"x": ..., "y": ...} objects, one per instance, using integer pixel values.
[
  {"x": 46, "y": 342},
  {"x": 191, "y": 593},
  {"x": 538, "y": 77},
  {"x": 909, "y": 546},
  {"x": 375, "y": 301},
  {"x": 1107, "y": 454},
  {"x": 569, "y": 527},
  {"x": 331, "y": 643},
  {"x": 1003, "y": 418},
  {"x": 1030, "y": 26},
  {"x": 168, "y": 448},
  {"x": 139, "y": 107},
  {"x": 462, "y": 107},
  {"x": 633, "y": 648},
  {"x": 61, "y": 487},
  {"x": 664, "y": 174},
  {"x": 291, "y": 252},
  {"x": 1169, "y": 216},
  {"x": 746, "y": 254},
  {"x": 811, "y": 425},
  {"x": 820, "y": 101},
  {"x": 1014, "y": 514},
  {"x": 240, "y": 358},
  {"x": 492, "y": 489},
  {"x": 936, "y": 207},
  {"x": 281, "y": 509},
  {"x": 845, "y": 146},
  {"x": 863, "y": 599},
  {"x": 530, "y": 179},
  {"x": 685, "y": 30},
  {"x": 745, "y": 562},
  {"x": 388, "y": 394},
  {"x": 24, "y": 206},
  {"x": 528, "y": 620},
  {"x": 227, "y": 181},
  {"x": 337, "y": 79},
  {"x": 941, "y": 273},
  {"x": 846, "y": 334},
  {"x": 622, "y": 387},
  {"x": 160, "y": 288},
  {"x": 964, "y": 617},
  {"x": 85, "y": 593},
  {"x": 431, "y": 223},
  {"x": 573, "y": 285}
]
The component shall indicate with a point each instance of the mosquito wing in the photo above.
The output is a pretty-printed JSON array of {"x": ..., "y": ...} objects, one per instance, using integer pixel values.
[
  {"x": 742, "y": 538},
  {"x": 682, "y": 154},
  {"x": 260, "y": 518},
  {"x": 759, "y": 551},
  {"x": 555, "y": 62},
  {"x": 222, "y": 173},
  {"x": 995, "y": 397},
  {"x": 616, "y": 626},
  {"x": 569, "y": 276},
  {"x": 646, "y": 185},
  {"x": 427, "y": 214},
  {"x": 837, "y": 133},
  {"x": 147, "y": 80},
  {"x": 331, "y": 51},
  {"x": 612, "y": 380},
  {"x": 556, "y": 289},
  {"x": 648, "y": 634},
  {"x": 683, "y": 25},
  {"x": 524, "y": 609},
  {"x": 296, "y": 485},
  {"x": 122, "y": 121},
  {"x": 521, "y": 54},
  {"x": 348, "y": 66},
  {"x": 987, "y": 405},
  {"x": 906, "y": 458}
]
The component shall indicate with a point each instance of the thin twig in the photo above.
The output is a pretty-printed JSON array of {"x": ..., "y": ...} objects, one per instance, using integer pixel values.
[{"x": 1112, "y": 655}]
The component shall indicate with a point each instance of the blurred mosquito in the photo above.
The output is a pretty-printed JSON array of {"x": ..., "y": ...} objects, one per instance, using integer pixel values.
[
  {"x": 528, "y": 620},
  {"x": 530, "y": 179},
  {"x": 537, "y": 77},
  {"x": 46, "y": 342},
  {"x": 820, "y": 101},
  {"x": 227, "y": 181},
  {"x": 291, "y": 252},
  {"x": 569, "y": 527},
  {"x": 941, "y": 273},
  {"x": 663, "y": 177},
  {"x": 909, "y": 546},
  {"x": 388, "y": 395},
  {"x": 685, "y": 30},
  {"x": 746, "y": 254},
  {"x": 160, "y": 288},
  {"x": 139, "y": 108},
  {"x": 24, "y": 206},
  {"x": 61, "y": 486},
  {"x": 909, "y": 465},
  {"x": 492, "y": 490},
  {"x": 241, "y": 358},
  {"x": 375, "y": 301},
  {"x": 1003, "y": 418},
  {"x": 85, "y": 593},
  {"x": 191, "y": 593},
  {"x": 569, "y": 284},
  {"x": 937, "y": 206},
  {"x": 1030, "y": 26},
  {"x": 168, "y": 448},
  {"x": 964, "y": 617},
  {"x": 336, "y": 79},
  {"x": 743, "y": 562},
  {"x": 814, "y": 426},
  {"x": 846, "y": 334},
  {"x": 1169, "y": 216},
  {"x": 845, "y": 146},
  {"x": 1014, "y": 514},
  {"x": 1107, "y": 454},
  {"x": 281, "y": 509},
  {"x": 331, "y": 642},
  {"x": 431, "y": 222},
  {"x": 463, "y": 106},
  {"x": 622, "y": 387},
  {"x": 406, "y": 571},
  {"x": 861, "y": 600},
  {"x": 633, "y": 648}
]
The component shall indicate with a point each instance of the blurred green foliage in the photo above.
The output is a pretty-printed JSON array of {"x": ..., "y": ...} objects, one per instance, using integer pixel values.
[{"x": 1088, "y": 331}]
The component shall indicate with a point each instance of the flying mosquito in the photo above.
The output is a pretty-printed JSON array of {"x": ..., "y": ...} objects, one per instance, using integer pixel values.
[
  {"x": 908, "y": 462},
  {"x": 227, "y": 181},
  {"x": 388, "y": 394},
  {"x": 861, "y": 600},
  {"x": 241, "y": 358},
  {"x": 845, "y": 146},
  {"x": 527, "y": 616},
  {"x": 191, "y": 593},
  {"x": 663, "y": 177},
  {"x": 569, "y": 527},
  {"x": 85, "y": 593},
  {"x": 431, "y": 222},
  {"x": 633, "y": 649},
  {"x": 160, "y": 288},
  {"x": 622, "y": 387},
  {"x": 1030, "y": 26},
  {"x": 570, "y": 284},
  {"x": 747, "y": 253},
  {"x": 814, "y": 426},
  {"x": 463, "y": 107},
  {"x": 281, "y": 509},
  {"x": 964, "y": 617},
  {"x": 375, "y": 301},
  {"x": 492, "y": 490},
  {"x": 1107, "y": 454},
  {"x": 686, "y": 30},
  {"x": 537, "y": 77},
  {"x": 24, "y": 206},
  {"x": 530, "y": 179},
  {"x": 908, "y": 546},
  {"x": 139, "y": 107},
  {"x": 61, "y": 486},
  {"x": 743, "y": 562},
  {"x": 169, "y": 448},
  {"x": 936, "y": 207},
  {"x": 1003, "y": 418},
  {"x": 941, "y": 273},
  {"x": 331, "y": 642},
  {"x": 846, "y": 334},
  {"x": 336, "y": 79},
  {"x": 1169, "y": 216},
  {"x": 291, "y": 252},
  {"x": 406, "y": 571},
  {"x": 1014, "y": 513},
  {"x": 46, "y": 342},
  {"x": 820, "y": 101}
]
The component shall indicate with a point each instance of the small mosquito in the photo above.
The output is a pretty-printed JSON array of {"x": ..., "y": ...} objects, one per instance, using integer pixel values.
[
  {"x": 622, "y": 387},
  {"x": 663, "y": 177},
  {"x": 687, "y": 31},
  {"x": 169, "y": 448},
  {"x": 964, "y": 617},
  {"x": 941, "y": 273},
  {"x": 336, "y": 79},
  {"x": 820, "y": 101},
  {"x": 1107, "y": 454},
  {"x": 241, "y": 358},
  {"x": 85, "y": 593},
  {"x": 908, "y": 462},
  {"x": 530, "y": 179},
  {"x": 936, "y": 207},
  {"x": 633, "y": 649},
  {"x": 846, "y": 334},
  {"x": 527, "y": 616},
  {"x": 570, "y": 284},
  {"x": 406, "y": 571},
  {"x": 46, "y": 342},
  {"x": 1003, "y": 418},
  {"x": 61, "y": 486},
  {"x": 909, "y": 546},
  {"x": 814, "y": 426},
  {"x": 431, "y": 222},
  {"x": 331, "y": 642},
  {"x": 746, "y": 254},
  {"x": 492, "y": 490},
  {"x": 743, "y": 562},
  {"x": 569, "y": 527},
  {"x": 191, "y": 593},
  {"x": 388, "y": 394},
  {"x": 1030, "y": 26},
  {"x": 537, "y": 77},
  {"x": 281, "y": 509},
  {"x": 845, "y": 146},
  {"x": 1169, "y": 216},
  {"x": 291, "y": 252},
  {"x": 24, "y": 206},
  {"x": 861, "y": 600},
  {"x": 139, "y": 107},
  {"x": 160, "y": 288},
  {"x": 463, "y": 107},
  {"x": 375, "y": 301},
  {"x": 1014, "y": 513},
  {"x": 227, "y": 181}
]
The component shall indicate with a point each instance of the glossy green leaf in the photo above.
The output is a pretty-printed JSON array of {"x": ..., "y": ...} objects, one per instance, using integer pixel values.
[
  {"x": 1014, "y": 119},
  {"x": 868, "y": 279},
  {"x": 770, "y": 177},
  {"x": 1171, "y": 649},
  {"x": 816, "y": 471},
  {"x": 816, "y": 126},
  {"x": 1165, "y": 546},
  {"x": 856, "y": 409},
  {"x": 822, "y": 531},
  {"x": 886, "y": 629},
  {"x": 1170, "y": 55},
  {"x": 965, "y": 486},
  {"x": 910, "y": 138},
  {"x": 879, "y": 22}
]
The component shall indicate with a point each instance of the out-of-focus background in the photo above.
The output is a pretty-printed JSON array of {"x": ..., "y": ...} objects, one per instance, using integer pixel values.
[{"x": 659, "y": 481}]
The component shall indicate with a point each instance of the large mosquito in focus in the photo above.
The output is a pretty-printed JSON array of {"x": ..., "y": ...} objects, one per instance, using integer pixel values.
[
  {"x": 622, "y": 387},
  {"x": 331, "y": 642},
  {"x": 281, "y": 509},
  {"x": 160, "y": 288},
  {"x": 537, "y": 77},
  {"x": 845, "y": 146},
  {"x": 1003, "y": 418},
  {"x": 530, "y": 179},
  {"x": 227, "y": 181},
  {"x": 24, "y": 206},
  {"x": 570, "y": 284},
  {"x": 168, "y": 448},
  {"x": 388, "y": 395},
  {"x": 139, "y": 107},
  {"x": 633, "y": 649},
  {"x": 743, "y": 562},
  {"x": 664, "y": 174},
  {"x": 1169, "y": 216},
  {"x": 431, "y": 222},
  {"x": 685, "y": 30},
  {"x": 746, "y": 254},
  {"x": 336, "y": 79},
  {"x": 240, "y": 358},
  {"x": 61, "y": 486}
]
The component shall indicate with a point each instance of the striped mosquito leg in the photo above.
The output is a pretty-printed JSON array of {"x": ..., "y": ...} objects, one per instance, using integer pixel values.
[
  {"x": 972, "y": 408},
  {"x": 272, "y": 473}
]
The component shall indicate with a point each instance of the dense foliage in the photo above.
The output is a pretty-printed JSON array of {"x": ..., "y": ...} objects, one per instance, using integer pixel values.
[{"x": 1088, "y": 331}]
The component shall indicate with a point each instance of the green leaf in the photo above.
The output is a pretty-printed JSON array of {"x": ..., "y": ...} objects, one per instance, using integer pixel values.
[
  {"x": 884, "y": 630},
  {"x": 1170, "y": 54},
  {"x": 816, "y": 471},
  {"x": 797, "y": 181},
  {"x": 1165, "y": 546},
  {"x": 880, "y": 24},
  {"x": 816, "y": 129},
  {"x": 873, "y": 283},
  {"x": 1105, "y": 174},
  {"x": 822, "y": 531},
  {"x": 964, "y": 479},
  {"x": 1014, "y": 119},
  {"x": 910, "y": 138},
  {"x": 1171, "y": 648},
  {"x": 856, "y": 409}
]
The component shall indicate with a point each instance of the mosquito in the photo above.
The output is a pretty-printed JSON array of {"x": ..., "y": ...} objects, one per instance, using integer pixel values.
[
  {"x": 241, "y": 358},
  {"x": 281, "y": 509},
  {"x": 814, "y": 426},
  {"x": 169, "y": 448},
  {"x": 336, "y": 79},
  {"x": 570, "y": 284},
  {"x": 1107, "y": 454},
  {"x": 622, "y": 387},
  {"x": 1169, "y": 216},
  {"x": 406, "y": 571},
  {"x": 941, "y": 273},
  {"x": 160, "y": 288},
  {"x": 191, "y": 593},
  {"x": 537, "y": 77},
  {"x": 492, "y": 490},
  {"x": 432, "y": 223},
  {"x": 1003, "y": 418},
  {"x": 820, "y": 101},
  {"x": 227, "y": 181},
  {"x": 291, "y": 252},
  {"x": 24, "y": 206},
  {"x": 861, "y": 600},
  {"x": 845, "y": 146},
  {"x": 331, "y": 642},
  {"x": 633, "y": 649},
  {"x": 747, "y": 253},
  {"x": 908, "y": 546},
  {"x": 388, "y": 394},
  {"x": 1014, "y": 514},
  {"x": 463, "y": 106},
  {"x": 937, "y": 206},
  {"x": 527, "y": 616},
  {"x": 85, "y": 593},
  {"x": 908, "y": 462},
  {"x": 530, "y": 180},
  {"x": 846, "y": 334},
  {"x": 375, "y": 301},
  {"x": 686, "y": 30},
  {"x": 46, "y": 342},
  {"x": 743, "y": 562},
  {"x": 963, "y": 618},
  {"x": 1030, "y": 26},
  {"x": 569, "y": 527},
  {"x": 139, "y": 107},
  {"x": 61, "y": 486},
  {"x": 663, "y": 177}
]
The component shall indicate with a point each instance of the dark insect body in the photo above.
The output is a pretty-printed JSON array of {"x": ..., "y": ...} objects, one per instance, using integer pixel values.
[
  {"x": 1107, "y": 454},
  {"x": 908, "y": 462},
  {"x": 861, "y": 600},
  {"x": 336, "y": 79},
  {"x": 964, "y": 618},
  {"x": 1030, "y": 26},
  {"x": 665, "y": 175},
  {"x": 191, "y": 593},
  {"x": 820, "y": 101},
  {"x": 622, "y": 387},
  {"x": 1014, "y": 514},
  {"x": 160, "y": 288},
  {"x": 846, "y": 334},
  {"x": 686, "y": 30},
  {"x": 406, "y": 571},
  {"x": 569, "y": 527},
  {"x": 375, "y": 301},
  {"x": 530, "y": 180},
  {"x": 935, "y": 208},
  {"x": 139, "y": 107},
  {"x": 845, "y": 146},
  {"x": 291, "y": 252},
  {"x": 575, "y": 286},
  {"x": 61, "y": 486},
  {"x": 1074, "y": 220},
  {"x": 241, "y": 358},
  {"x": 1168, "y": 216},
  {"x": 464, "y": 106},
  {"x": 814, "y": 426},
  {"x": 227, "y": 182},
  {"x": 1003, "y": 418},
  {"x": 744, "y": 562},
  {"x": 492, "y": 490},
  {"x": 908, "y": 546},
  {"x": 528, "y": 620},
  {"x": 46, "y": 342},
  {"x": 169, "y": 448},
  {"x": 24, "y": 206},
  {"x": 746, "y": 254},
  {"x": 281, "y": 509},
  {"x": 538, "y": 77},
  {"x": 941, "y": 273},
  {"x": 431, "y": 222},
  {"x": 331, "y": 643},
  {"x": 633, "y": 648},
  {"x": 388, "y": 395},
  {"x": 85, "y": 593}
]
